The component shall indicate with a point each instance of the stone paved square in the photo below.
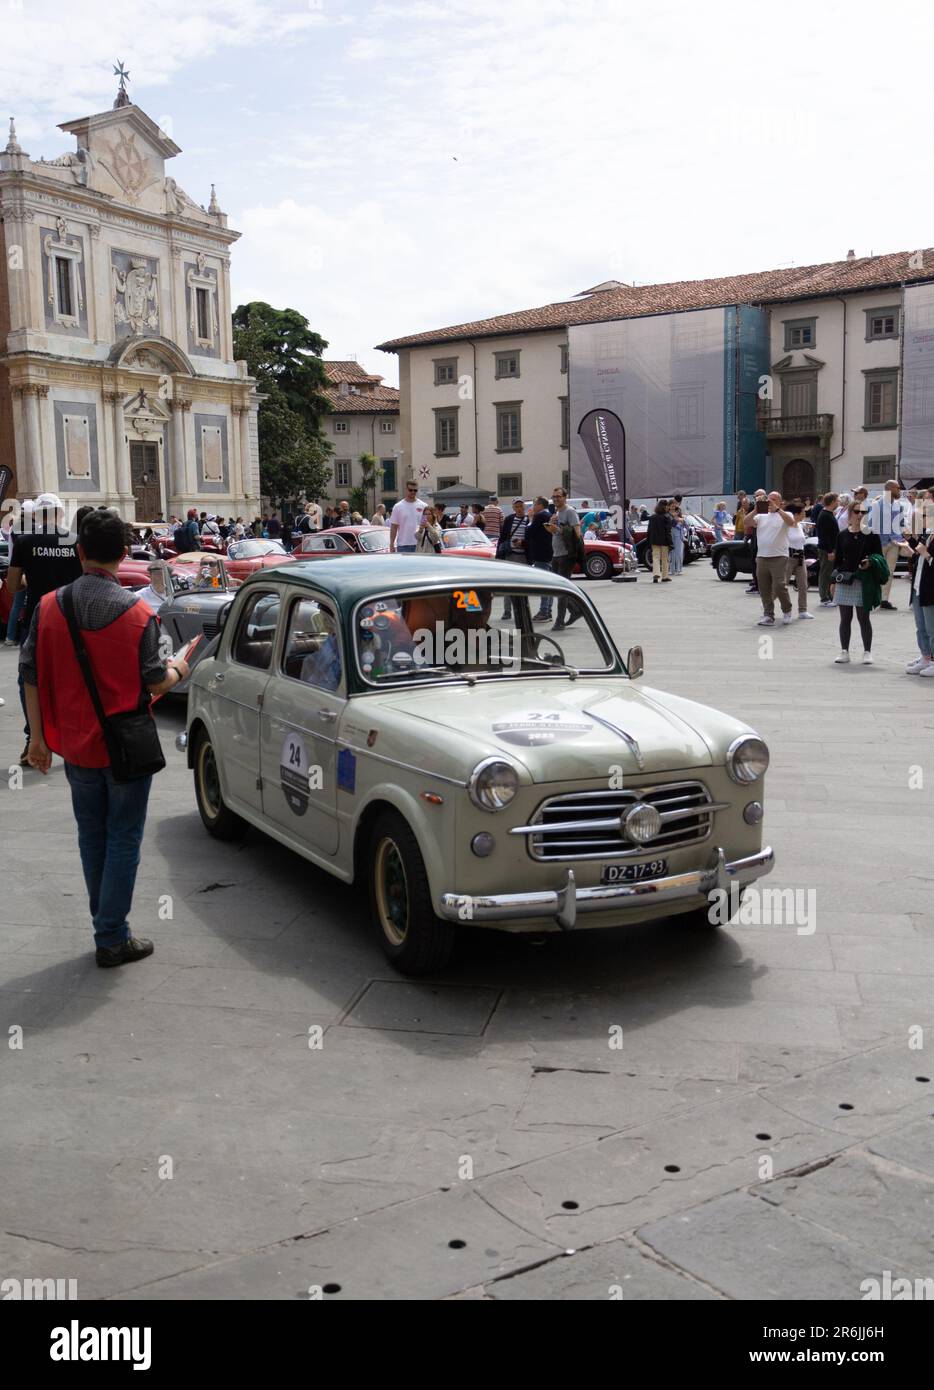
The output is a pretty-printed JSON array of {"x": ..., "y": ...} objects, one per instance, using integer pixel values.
[{"x": 765, "y": 1130}]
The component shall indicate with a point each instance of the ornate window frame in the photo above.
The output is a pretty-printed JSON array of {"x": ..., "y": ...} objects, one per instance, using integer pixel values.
[
  {"x": 68, "y": 249},
  {"x": 200, "y": 279}
]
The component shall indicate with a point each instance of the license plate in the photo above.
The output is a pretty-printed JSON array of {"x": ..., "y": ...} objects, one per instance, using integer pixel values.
[{"x": 634, "y": 873}]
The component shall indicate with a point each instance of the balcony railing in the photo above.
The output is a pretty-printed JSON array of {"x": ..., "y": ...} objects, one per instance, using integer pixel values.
[{"x": 797, "y": 426}]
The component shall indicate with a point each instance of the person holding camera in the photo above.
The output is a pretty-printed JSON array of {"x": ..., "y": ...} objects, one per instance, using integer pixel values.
[
  {"x": 771, "y": 525},
  {"x": 852, "y": 564}
]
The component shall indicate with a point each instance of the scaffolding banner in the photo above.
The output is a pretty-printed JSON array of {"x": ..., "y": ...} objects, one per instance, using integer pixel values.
[
  {"x": 917, "y": 455},
  {"x": 664, "y": 377}
]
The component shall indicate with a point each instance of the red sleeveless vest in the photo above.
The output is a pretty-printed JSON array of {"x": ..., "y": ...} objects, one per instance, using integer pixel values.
[{"x": 69, "y": 723}]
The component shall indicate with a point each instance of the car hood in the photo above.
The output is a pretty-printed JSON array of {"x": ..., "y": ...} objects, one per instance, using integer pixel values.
[{"x": 571, "y": 730}]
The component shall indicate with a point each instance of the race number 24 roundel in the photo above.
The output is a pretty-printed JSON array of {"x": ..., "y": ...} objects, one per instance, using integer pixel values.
[{"x": 293, "y": 772}]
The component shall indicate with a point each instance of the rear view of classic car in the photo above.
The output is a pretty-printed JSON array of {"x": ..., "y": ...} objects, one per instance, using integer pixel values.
[{"x": 550, "y": 790}]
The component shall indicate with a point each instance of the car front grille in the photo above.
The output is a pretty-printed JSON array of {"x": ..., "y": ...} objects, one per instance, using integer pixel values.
[{"x": 577, "y": 825}]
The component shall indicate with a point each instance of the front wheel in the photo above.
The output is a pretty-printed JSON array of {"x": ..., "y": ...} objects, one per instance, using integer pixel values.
[
  {"x": 726, "y": 569},
  {"x": 218, "y": 819},
  {"x": 597, "y": 567},
  {"x": 415, "y": 940}
]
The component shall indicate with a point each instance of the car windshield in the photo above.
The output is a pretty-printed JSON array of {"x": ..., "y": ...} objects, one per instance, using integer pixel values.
[
  {"x": 209, "y": 575},
  {"x": 374, "y": 540},
  {"x": 254, "y": 549},
  {"x": 493, "y": 631},
  {"x": 464, "y": 535}
]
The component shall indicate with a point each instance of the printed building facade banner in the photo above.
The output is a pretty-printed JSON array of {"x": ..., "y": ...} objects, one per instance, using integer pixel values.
[
  {"x": 665, "y": 376},
  {"x": 917, "y": 448}
]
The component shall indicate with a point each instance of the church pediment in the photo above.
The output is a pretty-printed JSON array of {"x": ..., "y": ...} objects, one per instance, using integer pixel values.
[{"x": 124, "y": 153}]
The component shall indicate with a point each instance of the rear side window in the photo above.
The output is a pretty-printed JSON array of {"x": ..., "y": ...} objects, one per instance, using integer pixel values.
[{"x": 255, "y": 636}]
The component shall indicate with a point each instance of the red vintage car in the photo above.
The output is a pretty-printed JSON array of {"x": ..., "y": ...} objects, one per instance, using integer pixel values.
[
  {"x": 602, "y": 558},
  {"x": 345, "y": 540},
  {"x": 245, "y": 557}
]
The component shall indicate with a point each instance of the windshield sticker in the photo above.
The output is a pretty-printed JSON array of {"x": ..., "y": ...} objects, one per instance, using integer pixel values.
[
  {"x": 538, "y": 727},
  {"x": 293, "y": 773},
  {"x": 467, "y": 601}
]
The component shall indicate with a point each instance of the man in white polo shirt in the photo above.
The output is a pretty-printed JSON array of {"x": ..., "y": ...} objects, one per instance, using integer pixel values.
[
  {"x": 404, "y": 520},
  {"x": 771, "y": 529}
]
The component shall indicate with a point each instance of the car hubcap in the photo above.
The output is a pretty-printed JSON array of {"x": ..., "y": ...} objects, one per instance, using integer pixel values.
[
  {"x": 724, "y": 566},
  {"x": 392, "y": 892},
  {"x": 597, "y": 569},
  {"x": 210, "y": 782}
]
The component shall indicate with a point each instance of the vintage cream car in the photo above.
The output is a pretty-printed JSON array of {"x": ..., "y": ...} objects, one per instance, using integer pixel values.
[{"x": 465, "y": 738}]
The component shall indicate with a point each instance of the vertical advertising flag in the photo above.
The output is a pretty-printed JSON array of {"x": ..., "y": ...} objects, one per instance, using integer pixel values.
[
  {"x": 6, "y": 477},
  {"x": 604, "y": 439}
]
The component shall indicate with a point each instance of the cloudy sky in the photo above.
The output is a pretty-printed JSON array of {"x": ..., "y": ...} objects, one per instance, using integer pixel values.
[{"x": 395, "y": 167}]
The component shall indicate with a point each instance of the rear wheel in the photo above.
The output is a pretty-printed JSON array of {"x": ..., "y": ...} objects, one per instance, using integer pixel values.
[
  {"x": 218, "y": 819},
  {"x": 726, "y": 569},
  {"x": 415, "y": 940},
  {"x": 644, "y": 555}
]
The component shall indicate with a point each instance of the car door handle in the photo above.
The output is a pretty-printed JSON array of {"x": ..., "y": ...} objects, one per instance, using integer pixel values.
[
  {"x": 327, "y": 715},
  {"x": 218, "y": 676}
]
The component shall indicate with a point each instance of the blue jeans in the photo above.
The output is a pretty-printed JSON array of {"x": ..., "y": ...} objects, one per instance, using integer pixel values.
[
  {"x": 19, "y": 598},
  {"x": 924, "y": 623},
  {"x": 405, "y": 549},
  {"x": 677, "y": 552},
  {"x": 111, "y": 817},
  {"x": 545, "y": 602}
]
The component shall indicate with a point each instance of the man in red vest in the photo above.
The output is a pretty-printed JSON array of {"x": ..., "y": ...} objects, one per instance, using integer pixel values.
[{"x": 121, "y": 636}]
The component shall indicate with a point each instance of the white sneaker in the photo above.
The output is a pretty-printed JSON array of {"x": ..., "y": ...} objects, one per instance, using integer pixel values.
[
  {"x": 826, "y": 603},
  {"x": 842, "y": 659},
  {"x": 787, "y": 617},
  {"x": 765, "y": 622},
  {"x": 806, "y": 615},
  {"x": 8, "y": 642},
  {"x": 917, "y": 665},
  {"x": 927, "y": 670},
  {"x": 867, "y": 658}
]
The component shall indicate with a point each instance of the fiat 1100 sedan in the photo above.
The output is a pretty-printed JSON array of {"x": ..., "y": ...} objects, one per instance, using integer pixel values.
[{"x": 465, "y": 738}]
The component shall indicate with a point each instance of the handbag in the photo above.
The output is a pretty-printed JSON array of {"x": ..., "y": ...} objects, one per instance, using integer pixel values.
[
  {"x": 842, "y": 576},
  {"x": 132, "y": 738}
]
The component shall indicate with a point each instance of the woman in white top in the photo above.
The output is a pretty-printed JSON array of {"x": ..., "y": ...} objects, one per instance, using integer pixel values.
[
  {"x": 379, "y": 516},
  {"x": 843, "y": 509},
  {"x": 797, "y": 569}
]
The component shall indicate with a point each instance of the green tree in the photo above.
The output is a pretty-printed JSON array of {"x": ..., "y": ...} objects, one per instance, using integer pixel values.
[
  {"x": 293, "y": 462},
  {"x": 284, "y": 355},
  {"x": 370, "y": 474},
  {"x": 281, "y": 351}
]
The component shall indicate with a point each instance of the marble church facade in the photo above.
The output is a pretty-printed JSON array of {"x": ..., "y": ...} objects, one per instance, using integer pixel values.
[{"x": 118, "y": 383}]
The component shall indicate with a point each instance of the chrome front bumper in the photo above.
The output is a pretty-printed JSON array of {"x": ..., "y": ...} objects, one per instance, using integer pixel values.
[{"x": 563, "y": 904}]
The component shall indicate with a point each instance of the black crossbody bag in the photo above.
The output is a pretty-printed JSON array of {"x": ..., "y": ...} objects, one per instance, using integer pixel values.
[{"x": 132, "y": 738}]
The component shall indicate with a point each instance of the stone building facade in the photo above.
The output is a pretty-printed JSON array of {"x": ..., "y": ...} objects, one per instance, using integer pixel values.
[{"x": 117, "y": 378}]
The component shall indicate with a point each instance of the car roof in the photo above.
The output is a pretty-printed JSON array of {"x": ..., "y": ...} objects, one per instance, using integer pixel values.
[{"x": 359, "y": 576}]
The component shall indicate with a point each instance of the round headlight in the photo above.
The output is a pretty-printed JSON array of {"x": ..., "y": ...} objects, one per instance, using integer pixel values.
[
  {"x": 747, "y": 758},
  {"x": 493, "y": 784},
  {"x": 641, "y": 823}
]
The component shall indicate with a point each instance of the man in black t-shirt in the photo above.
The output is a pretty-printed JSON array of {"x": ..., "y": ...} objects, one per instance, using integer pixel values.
[{"x": 48, "y": 558}]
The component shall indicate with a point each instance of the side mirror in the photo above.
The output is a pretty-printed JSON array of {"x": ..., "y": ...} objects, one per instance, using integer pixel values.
[
  {"x": 634, "y": 663},
  {"x": 223, "y": 615}
]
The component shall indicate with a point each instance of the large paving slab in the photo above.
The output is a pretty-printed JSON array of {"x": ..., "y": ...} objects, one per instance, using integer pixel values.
[{"x": 263, "y": 1109}]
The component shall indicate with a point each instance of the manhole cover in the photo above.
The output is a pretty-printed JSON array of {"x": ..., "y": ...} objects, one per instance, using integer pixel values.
[{"x": 413, "y": 1008}]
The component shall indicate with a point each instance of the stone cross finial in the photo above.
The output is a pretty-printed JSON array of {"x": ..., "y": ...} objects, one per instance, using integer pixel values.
[
  {"x": 123, "y": 96},
  {"x": 213, "y": 205}
]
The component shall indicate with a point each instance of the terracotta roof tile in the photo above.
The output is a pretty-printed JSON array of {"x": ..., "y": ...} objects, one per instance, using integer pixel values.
[
  {"x": 631, "y": 301},
  {"x": 348, "y": 371},
  {"x": 382, "y": 400}
]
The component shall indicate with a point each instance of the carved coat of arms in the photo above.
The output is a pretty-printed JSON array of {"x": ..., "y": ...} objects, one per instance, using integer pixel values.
[{"x": 138, "y": 290}]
